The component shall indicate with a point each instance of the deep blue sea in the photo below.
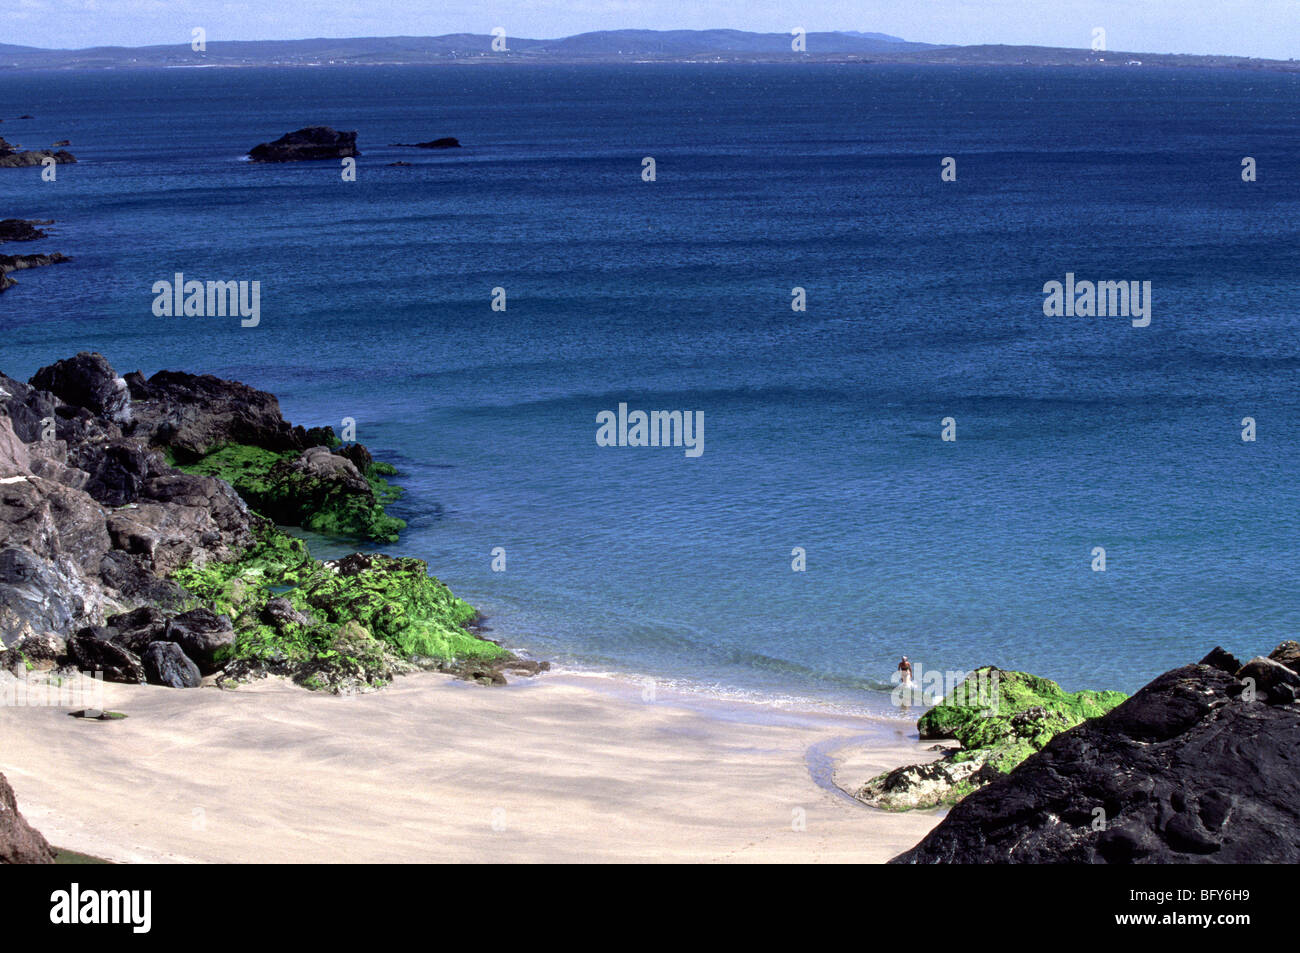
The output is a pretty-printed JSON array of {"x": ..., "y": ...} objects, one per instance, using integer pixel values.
[{"x": 924, "y": 301}]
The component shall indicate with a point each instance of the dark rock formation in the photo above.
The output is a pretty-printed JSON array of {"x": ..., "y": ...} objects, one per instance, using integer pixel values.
[
  {"x": 107, "y": 544},
  {"x": 92, "y": 649},
  {"x": 19, "y": 843},
  {"x": 91, "y": 519},
  {"x": 87, "y": 381},
  {"x": 313, "y": 142},
  {"x": 23, "y": 229},
  {"x": 10, "y": 263},
  {"x": 165, "y": 663},
  {"x": 195, "y": 414},
  {"x": 203, "y": 635},
  {"x": 1200, "y": 766}
]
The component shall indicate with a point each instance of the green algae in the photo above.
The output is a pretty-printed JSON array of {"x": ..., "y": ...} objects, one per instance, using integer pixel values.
[
  {"x": 362, "y": 613},
  {"x": 268, "y": 483},
  {"x": 1015, "y": 715},
  {"x": 981, "y": 704},
  {"x": 396, "y": 600}
]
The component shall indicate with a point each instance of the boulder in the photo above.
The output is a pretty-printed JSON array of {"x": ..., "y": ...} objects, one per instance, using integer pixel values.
[
  {"x": 88, "y": 381},
  {"x": 312, "y": 142},
  {"x": 138, "y": 629},
  {"x": 358, "y": 455},
  {"x": 19, "y": 843},
  {"x": 165, "y": 663},
  {"x": 1288, "y": 654},
  {"x": 920, "y": 786},
  {"x": 1190, "y": 769},
  {"x": 1271, "y": 678},
  {"x": 92, "y": 649},
  {"x": 203, "y": 635}
]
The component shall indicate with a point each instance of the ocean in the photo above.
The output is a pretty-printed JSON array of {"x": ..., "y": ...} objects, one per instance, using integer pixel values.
[{"x": 924, "y": 301}]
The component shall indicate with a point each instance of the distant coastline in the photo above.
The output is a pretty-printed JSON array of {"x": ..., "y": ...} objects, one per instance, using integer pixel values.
[{"x": 606, "y": 47}]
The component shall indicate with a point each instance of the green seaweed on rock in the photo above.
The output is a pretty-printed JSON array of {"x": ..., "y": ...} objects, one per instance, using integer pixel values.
[
  {"x": 271, "y": 483},
  {"x": 354, "y": 621}
]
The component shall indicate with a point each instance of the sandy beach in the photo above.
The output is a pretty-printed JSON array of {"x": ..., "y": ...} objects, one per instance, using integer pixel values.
[{"x": 560, "y": 768}]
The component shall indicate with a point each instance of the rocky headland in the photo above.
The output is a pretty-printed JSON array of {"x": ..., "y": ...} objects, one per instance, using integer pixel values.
[
  {"x": 1200, "y": 766},
  {"x": 139, "y": 538},
  {"x": 312, "y": 142}
]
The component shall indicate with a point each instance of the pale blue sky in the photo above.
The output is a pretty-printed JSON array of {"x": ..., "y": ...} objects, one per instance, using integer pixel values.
[{"x": 1246, "y": 27}]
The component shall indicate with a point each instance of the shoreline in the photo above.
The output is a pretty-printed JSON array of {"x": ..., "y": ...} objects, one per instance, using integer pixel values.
[{"x": 559, "y": 767}]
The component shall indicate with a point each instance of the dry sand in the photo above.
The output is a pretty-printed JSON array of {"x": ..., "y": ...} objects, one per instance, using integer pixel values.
[{"x": 559, "y": 768}]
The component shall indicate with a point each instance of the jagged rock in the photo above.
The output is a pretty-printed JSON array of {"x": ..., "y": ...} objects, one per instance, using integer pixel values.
[
  {"x": 88, "y": 381},
  {"x": 1272, "y": 678},
  {"x": 313, "y": 142},
  {"x": 43, "y": 652},
  {"x": 1288, "y": 653},
  {"x": 358, "y": 455},
  {"x": 1221, "y": 659},
  {"x": 203, "y": 635},
  {"x": 165, "y": 663},
  {"x": 196, "y": 414},
  {"x": 138, "y": 629},
  {"x": 93, "y": 649},
  {"x": 1189, "y": 769},
  {"x": 19, "y": 842},
  {"x": 23, "y": 229},
  {"x": 10, "y": 263}
]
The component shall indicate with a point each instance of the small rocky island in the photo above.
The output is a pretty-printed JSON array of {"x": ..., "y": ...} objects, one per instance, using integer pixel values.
[
  {"x": 312, "y": 142},
  {"x": 24, "y": 230},
  {"x": 446, "y": 142},
  {"x": 139, "y": 538},
  {"x": 14, "y": 157},
  {"x": 1198, "y": 767}
]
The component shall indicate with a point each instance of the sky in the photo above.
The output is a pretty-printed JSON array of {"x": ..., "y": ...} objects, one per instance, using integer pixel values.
[{"x": 1267, "y": 28}]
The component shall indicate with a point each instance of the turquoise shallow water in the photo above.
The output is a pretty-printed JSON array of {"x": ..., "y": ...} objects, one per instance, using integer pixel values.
[{"x": 822, "y": 428}]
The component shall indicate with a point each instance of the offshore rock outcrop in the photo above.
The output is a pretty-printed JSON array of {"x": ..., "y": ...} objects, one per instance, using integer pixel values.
[
  {"x": 312, "y": 142},
  {"x": 1200, "y": 766},
  {"x": 12, "y": 157},
  {"x": 24, "y": 230},
  {"x": 114, "y": 557},
  {"x": 446, "y": 142}
]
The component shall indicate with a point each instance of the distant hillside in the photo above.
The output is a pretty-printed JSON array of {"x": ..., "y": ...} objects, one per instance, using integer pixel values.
[
  {"x": 426, "y": 49},
  {"x": 603, "y": 46}
]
